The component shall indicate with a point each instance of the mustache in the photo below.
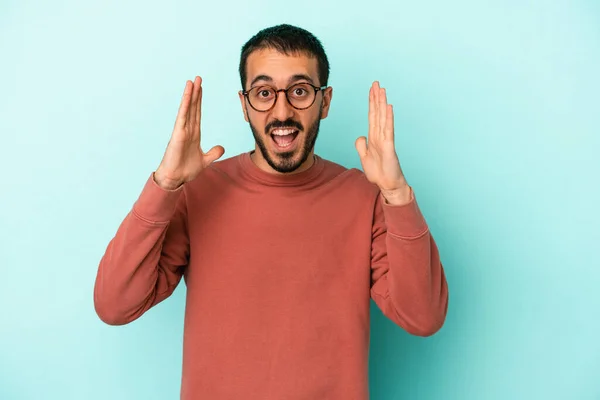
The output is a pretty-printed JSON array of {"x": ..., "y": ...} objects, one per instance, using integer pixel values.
[{"x": 288, "y": 123}]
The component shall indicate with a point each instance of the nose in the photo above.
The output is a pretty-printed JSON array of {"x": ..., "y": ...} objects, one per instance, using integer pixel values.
[{"x": 282, "y": 110}]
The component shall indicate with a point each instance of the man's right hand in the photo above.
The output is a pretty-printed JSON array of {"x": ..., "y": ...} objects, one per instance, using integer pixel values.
[{"x": 184, "y": 159}]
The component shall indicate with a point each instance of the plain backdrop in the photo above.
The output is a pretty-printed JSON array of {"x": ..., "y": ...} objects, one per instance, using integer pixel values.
[{"x": 497, "y": 123}]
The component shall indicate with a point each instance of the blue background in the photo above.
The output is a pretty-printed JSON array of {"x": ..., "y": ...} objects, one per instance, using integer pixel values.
[{"x": 497, "y": 125}]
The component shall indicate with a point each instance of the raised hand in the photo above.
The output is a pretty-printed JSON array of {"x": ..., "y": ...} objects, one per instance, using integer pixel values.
[
  {"x": 378, "y": 157},
  {"x": 184, "y": 159}
]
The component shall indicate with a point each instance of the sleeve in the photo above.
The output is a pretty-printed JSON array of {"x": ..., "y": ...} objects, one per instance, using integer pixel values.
[
  {"x": 144, "y": 261},
  {"x": 408, "y": 283}
]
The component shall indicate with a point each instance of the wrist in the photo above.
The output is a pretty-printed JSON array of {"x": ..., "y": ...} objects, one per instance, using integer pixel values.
[
  {"x": 398, "y": 196},
  {"x": 164, "y": 182}
]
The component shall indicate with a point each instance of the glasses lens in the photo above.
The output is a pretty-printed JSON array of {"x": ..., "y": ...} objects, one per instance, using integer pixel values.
[
  {"x": 262, "y": 97},
  {"x": 301, "y": 95}
]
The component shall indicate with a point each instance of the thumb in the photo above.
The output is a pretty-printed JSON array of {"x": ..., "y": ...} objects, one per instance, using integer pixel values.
[
  {"x": 361, "y": 146},
  {"x": 213, "y": 154}
]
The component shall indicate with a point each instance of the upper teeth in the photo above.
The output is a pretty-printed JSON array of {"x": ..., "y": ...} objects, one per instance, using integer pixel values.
[{"x": 283, "y": 132}]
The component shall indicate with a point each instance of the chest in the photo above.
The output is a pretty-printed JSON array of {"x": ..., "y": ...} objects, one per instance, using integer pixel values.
[{"x": 289, "y": 245}]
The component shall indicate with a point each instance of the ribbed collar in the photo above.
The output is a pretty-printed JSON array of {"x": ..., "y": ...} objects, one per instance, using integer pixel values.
[{"x": 275, "y": 179}]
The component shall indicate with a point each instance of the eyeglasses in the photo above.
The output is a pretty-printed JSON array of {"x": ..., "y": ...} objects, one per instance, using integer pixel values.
[{"x": 300, "y": 96}]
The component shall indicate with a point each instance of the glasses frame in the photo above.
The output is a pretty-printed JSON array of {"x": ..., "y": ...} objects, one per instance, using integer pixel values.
[{"x": 286, "y": 91}]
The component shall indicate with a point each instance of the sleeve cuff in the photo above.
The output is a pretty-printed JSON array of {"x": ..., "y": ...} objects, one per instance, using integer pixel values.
[
  {"x": 406, "y": 220},
  {"x": 156, "y": 204}
]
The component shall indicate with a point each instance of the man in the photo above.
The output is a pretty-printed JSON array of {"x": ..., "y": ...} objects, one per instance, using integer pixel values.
[{"x": 281, "y": 250}]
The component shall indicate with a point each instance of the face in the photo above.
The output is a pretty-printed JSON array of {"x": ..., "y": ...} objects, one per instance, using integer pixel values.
[{"x": 285, "y": 136}]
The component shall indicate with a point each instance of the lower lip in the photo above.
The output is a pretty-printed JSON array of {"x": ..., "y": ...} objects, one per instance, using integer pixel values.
[{"x": 289, "y": 147}]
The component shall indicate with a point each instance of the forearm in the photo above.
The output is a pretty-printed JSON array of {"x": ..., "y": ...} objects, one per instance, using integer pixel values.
[
  {"x": 141, "y": 265},
  {"x": 417, "y": 285},
  {"x": 410, "y": 285}
]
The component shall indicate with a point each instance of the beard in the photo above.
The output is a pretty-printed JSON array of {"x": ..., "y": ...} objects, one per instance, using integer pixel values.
[{"x": 286, "y": 162}]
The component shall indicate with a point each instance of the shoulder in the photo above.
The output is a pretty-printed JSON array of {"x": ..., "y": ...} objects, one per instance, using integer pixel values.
[
  {"x": 351, "y": 177},
  {"x": 220, "y": 173},
  {"x": 228, "y": 165},
  {"x": 225, "y": 170}
]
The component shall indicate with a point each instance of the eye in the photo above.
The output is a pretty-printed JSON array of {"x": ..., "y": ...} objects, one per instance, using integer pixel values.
[
  {"x": 299, "y": 91},
  {"x": 264, "y": 93}
]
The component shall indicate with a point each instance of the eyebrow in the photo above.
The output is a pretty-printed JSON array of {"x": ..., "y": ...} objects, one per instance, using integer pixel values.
[{"x": 294, "y": 78}]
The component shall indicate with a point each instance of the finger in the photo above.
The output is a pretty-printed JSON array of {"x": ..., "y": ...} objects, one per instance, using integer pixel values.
[
  {"x": 372, "y": 113},
  {"x": 184, "y": 105},
  {"x": 389, "y": 123},
  {"x": 376, "y": 109},
  {"x": 191, "y": 117},
  {"x": 377, "y": 92},
  {"x": 199, "y": 107},
  {"x": 382, "y": 111},
  {"x": 213, "y": 154},
  {"x": 361, "y": 146}
]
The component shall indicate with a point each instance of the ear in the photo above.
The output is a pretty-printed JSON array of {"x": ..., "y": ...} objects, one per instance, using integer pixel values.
[
  {"x": 243, "y": 103},
  {"x": 327, "y": 95}
]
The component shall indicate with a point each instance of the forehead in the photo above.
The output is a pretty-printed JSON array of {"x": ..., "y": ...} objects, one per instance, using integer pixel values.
[{"x": 281, "y": 68}]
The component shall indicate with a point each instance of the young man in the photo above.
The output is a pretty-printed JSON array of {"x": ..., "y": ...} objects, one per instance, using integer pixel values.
[{"x": 280, "y": 249}]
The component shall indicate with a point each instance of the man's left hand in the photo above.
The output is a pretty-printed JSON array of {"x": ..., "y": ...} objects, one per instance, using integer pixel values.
[{"x": 378, "y": 157}]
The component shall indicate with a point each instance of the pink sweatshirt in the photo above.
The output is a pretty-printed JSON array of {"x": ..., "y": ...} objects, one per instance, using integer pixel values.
[{"x": 279, "y": 271}]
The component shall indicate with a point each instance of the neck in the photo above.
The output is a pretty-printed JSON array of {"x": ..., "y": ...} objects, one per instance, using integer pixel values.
[{"x": 260, "y": 162}]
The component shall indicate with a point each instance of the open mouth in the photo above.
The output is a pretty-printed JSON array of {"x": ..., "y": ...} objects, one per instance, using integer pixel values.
[{"x": 284, "y": 138}]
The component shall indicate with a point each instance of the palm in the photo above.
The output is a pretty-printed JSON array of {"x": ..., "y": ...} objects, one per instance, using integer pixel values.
[
  {"x": 184, "y": 158},
  {"x": 378, "y": 157}
]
